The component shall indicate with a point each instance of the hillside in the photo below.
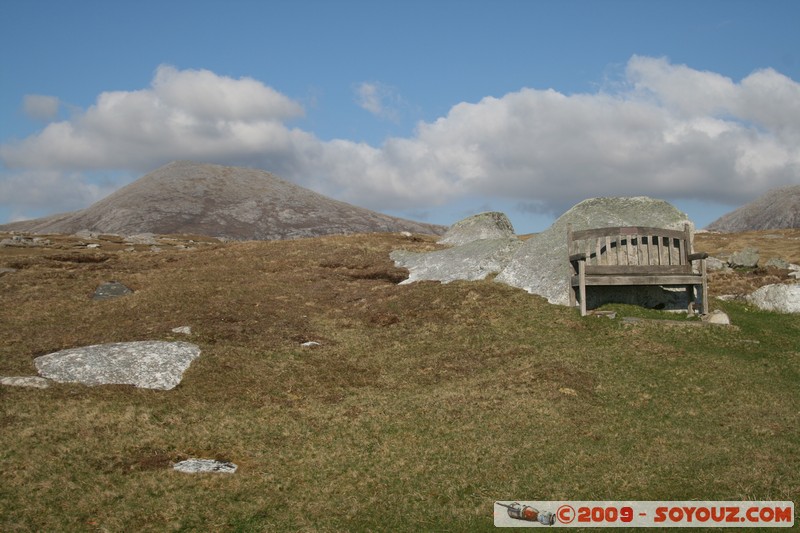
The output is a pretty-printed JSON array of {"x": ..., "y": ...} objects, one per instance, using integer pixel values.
[
  {"x": 777, "y": 209},
  {"x": 421, "y": 405},
  {"x": 231, "y": 202}
]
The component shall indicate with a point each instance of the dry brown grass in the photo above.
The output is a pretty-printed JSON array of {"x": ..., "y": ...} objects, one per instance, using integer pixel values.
[
  {"x": 423, "y": 404},
  {"x": 780, "y": 243}
]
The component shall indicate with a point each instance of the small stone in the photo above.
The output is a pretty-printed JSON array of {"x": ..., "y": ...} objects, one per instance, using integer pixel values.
[
  {"x": 93, "y": 246},
  {"x": 112, "y": 289},
  {"x": 184, "y": 330},
  {"x": 608, "y": 314},
  {"x": 713, "y": 263},
  {"x": 310, "y": 344},
  {"x": 25, "y": 381},
  {"x": 717, "y": 317},
  {"x": 199, "y": 466}
]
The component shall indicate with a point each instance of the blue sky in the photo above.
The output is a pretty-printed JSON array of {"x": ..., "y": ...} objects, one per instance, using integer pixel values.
[{"x": 431, "y": 110}]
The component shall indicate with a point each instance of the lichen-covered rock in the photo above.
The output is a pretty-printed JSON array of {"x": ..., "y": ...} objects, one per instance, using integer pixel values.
[
  {"x": 540, "y": 265},
  {"x": 779, "y": 298},
  {"x": 145, "y": 364},
  {"x": 471, "y": 262},
  {"x": 490, "y": 225},
  {"x": 747, "y": 258}
]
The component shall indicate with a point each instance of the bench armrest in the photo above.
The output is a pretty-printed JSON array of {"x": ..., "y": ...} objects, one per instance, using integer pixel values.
[
  {"x": 698, "y": 255},
  {"x": 577, "y": 257}
]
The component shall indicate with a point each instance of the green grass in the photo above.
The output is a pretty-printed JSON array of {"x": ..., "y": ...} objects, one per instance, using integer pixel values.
[{"x": 423, "y": 405}]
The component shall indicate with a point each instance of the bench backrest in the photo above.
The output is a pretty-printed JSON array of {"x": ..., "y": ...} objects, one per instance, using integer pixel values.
[{"x": 632, "y": 249}]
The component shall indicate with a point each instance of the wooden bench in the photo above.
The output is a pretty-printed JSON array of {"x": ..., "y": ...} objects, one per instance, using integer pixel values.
[{"x": 634, "y": 256}]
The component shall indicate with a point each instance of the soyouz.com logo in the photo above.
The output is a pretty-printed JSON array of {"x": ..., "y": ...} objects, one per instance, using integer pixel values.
[{"x": 643, "y": 514}]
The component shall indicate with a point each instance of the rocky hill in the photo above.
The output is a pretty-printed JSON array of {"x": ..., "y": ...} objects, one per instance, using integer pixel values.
[
  {"x": 777, "y": 209},
  {"x": 231, "y": 202}
]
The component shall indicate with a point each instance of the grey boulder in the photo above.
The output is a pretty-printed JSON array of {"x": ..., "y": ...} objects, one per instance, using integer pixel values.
[
  {"x": 779, "y": 298},
  {"x": 490, "y": 225},
  {"x": 540, "y": 265},
  {"x": 747, "y": 258}
]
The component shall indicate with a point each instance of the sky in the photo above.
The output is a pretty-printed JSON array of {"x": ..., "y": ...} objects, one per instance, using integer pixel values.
[{"x": 432, "y": 110}]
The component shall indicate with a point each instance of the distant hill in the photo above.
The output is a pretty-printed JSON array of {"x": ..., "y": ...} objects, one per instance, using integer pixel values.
[
  {"x": 778, "y": 209},
  {"x": 184, "y": 197}
]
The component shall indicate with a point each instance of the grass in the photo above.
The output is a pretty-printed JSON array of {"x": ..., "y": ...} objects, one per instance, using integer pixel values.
[{"x": 423, "y": 404}]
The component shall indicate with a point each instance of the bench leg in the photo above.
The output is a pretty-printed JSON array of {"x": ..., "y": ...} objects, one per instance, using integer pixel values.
[
  {"x": 705, "y": 285},
  {"x": 690, "y": 298},
  {"x": 572, "y": 291},
  {"x": 582, "y": 285}
]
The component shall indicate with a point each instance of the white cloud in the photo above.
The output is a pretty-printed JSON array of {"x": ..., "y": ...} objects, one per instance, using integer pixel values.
[
  {"x": 379, "y": 99},
  {"x": 183, "y": 115},
  {"x": 42, "y": 189},
  {"x": 41, "y": 107},
  {"x": 667, "y": 131}
]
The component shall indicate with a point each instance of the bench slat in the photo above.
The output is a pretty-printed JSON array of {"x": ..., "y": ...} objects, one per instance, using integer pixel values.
[
  {"x": 625, "y": 230},
  {"x": 632, "y": 270},
  {"x": 664, "y": 280}
]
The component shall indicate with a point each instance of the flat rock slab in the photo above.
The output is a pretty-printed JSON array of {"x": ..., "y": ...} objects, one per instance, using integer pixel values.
[
  {"x": 144, "y": 364},
  {"x": 25, "y": 381},
  {"x": 200, "y": 466}
]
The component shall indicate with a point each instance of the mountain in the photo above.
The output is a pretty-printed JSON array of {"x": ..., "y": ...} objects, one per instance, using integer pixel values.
[
  {"x": 777, "y": 209},
  {"x": 218, "y": 201}
]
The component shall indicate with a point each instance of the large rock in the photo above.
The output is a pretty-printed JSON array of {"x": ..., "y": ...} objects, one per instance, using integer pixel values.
[
  {"x": 540, "y": 265},
  {"x": 490, "y": 225},
  {"x": 779, "y": 298},
  {"x": 145, "y": 364},
  {"x": 472, "y": 261}
]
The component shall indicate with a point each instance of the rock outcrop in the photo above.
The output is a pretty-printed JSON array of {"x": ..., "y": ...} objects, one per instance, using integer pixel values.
[
  {"x": 481, "y": 245},
  {"x": 471, "y": 261},
  {"x": 540, "y": 265},
  {"x": 777, "y": 209},
  {"x": 490, "y": 225},
  {"x": 227, "y": 202}
]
